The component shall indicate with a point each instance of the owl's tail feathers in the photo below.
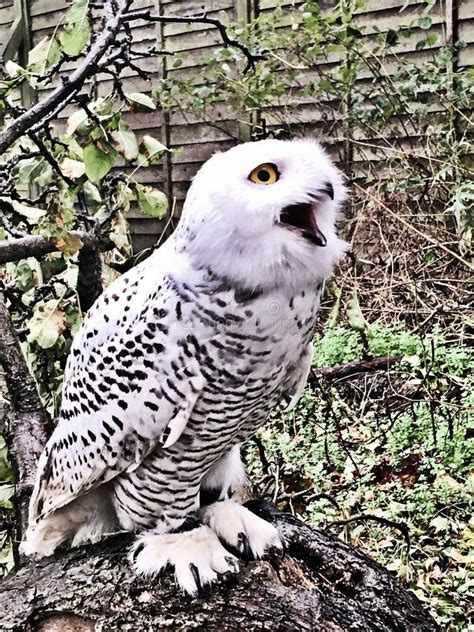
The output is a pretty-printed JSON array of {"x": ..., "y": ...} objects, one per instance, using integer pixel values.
[{"x": 88, "y": 518}]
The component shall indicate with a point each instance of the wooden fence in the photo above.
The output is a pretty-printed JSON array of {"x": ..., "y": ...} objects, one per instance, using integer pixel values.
[{"x": 23, "y": 23}]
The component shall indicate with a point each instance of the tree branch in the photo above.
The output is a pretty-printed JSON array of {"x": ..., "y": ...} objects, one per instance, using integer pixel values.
[
  {"x": 89, "y": 280},
  {"x": 321, "y": 584},
  {"x": 382, "y": 363},
  {"x": 36, "y": 246},
  {"x": 69, "y": 86},
  {"x": 401, "y": 526},
  {"x": 185, "y": 19}
]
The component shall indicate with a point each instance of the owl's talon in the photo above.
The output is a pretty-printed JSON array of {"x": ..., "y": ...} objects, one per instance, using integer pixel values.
[
  {"x": 197, "y": 556},
  {"x": 242, "y": 531},
  {"x": 244, "y": 546},
  {"x": 275, "y": 554},
  {"x": 195, "y": 574},
  {"x": 137, "y": 550},
  {"x": 233, "y": 563}
]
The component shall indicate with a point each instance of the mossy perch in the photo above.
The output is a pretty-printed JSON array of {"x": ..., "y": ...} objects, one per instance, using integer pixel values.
[{"x": 321, "y": 584}]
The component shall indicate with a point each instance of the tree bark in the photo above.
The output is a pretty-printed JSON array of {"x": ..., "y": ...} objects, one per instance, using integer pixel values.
[
  {"x": 26, "y": 418},
  {"x": 321, "y": 584},
  {"x": 381, "y": 363},
  {"x": 89, "y": 280},
  {"x": 36, "y": 246}
]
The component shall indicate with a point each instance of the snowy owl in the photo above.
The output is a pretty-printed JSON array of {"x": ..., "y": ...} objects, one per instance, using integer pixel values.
[{"x": 181, "y": 360}]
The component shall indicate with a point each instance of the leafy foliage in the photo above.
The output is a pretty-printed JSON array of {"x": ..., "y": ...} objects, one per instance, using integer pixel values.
[
  {"x": 395, "y": 446},
  {"x": 83, "y": 186}
]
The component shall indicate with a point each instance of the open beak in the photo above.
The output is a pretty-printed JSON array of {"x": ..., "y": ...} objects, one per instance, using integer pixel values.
[{"x": 300, "y": 217}]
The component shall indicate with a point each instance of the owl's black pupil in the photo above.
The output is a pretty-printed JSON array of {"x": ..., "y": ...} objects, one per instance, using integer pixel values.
[{"x": 263, "y": 175}]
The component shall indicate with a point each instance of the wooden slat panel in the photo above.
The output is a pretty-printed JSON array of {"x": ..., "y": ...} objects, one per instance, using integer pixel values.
[
  {"x": 7, "y": 15},
  {"x": 196, "y": 135}
]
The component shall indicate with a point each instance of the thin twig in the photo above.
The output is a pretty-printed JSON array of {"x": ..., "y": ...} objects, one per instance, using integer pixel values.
[
  {"x": 146, "y": 14},
  {"x": 401, "y": 526},
  {"x": 411, "y": 227}
]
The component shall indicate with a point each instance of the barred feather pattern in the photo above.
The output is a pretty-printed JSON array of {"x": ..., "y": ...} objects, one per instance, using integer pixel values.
[
  {"x": 245, "y": 374},
  {"x": 184, "y": 356},
  {"x": 151, "y": 343}
]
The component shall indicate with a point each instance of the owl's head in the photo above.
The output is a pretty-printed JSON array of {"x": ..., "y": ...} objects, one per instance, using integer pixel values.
[{"x": 263, "y": 214}]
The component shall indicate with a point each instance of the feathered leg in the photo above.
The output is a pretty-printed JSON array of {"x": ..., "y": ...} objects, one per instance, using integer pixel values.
[
  {"x": 238, "y": 528},
  {"x": 196, "y": 554}
]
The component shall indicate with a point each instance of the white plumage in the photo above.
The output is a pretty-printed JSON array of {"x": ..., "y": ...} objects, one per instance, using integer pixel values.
[{"x": 182, "y": 359}]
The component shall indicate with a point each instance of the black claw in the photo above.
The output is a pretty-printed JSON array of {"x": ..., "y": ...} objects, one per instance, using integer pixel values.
[
  {"x": 262, "y": 508},
  {"x": 138, "y": 550},
  {"x": 244, "y": 547},
  {"x": 275, "y": 554},
  {"x": 197, "y": 579}
]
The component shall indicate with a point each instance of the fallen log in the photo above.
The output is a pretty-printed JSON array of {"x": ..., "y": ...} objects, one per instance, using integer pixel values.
[
  {"x": 321, "y": 584},
  {"x": 380, "y": 363}
]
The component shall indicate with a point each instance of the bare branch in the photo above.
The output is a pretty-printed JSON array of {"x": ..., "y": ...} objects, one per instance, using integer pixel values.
[
  {"x": 146, "y": 15},
  {"x": 36, "y": 246},
  {"x": 401, "y": 526},
  {"x": 382, "y": 363},
  {"x": 69, "y": 87}
]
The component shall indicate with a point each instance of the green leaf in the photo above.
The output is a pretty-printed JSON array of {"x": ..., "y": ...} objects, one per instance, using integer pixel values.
[
  {"x": 77, "y": 12},
  {"x": 424, "y": 22},
  {"x": 139, "y": 101},
  {"x": 6, "y": 496},
  {"x": 44, "y": 175},
  {"x": 74, "y": 40},
  {"x": 354, "y": 314},
  {"x": 99, "y": 159},
  {"x": 125, "y": 141},
  {"x": 77, "y": 32},
  {"x": 39, "y": 53},
  {"x": 12, "y": 69},
  {"x": 43, "y": 55},
  {"x": 152, "y": 149},
  {"x": 73, "y": 168},
  {"x": 431, "y": 39},
  {"x": 152, "y": 202},
  {"x": 30, "y": 212},
  {"x": 73, "y": 318},
  {"x": 6, "y": 473},
  {"x": 27, "y": 170},
  {"x": 75, "y": 120},
  {"x": 47, "y": 324},
  {"x": 91, "y": 193}
]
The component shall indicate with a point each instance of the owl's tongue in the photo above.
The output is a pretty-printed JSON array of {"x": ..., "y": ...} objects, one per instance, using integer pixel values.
[{"x": 301, "y": 216}]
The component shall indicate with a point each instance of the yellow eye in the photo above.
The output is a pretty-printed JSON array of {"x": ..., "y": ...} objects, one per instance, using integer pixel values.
[{"x": 264, "y": 174}]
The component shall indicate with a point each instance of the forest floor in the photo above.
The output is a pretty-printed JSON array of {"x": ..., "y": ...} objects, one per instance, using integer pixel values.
[{"x": 385, "y": 460}]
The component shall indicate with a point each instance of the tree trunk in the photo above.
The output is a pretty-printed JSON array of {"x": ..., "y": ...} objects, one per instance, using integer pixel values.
[
  {"x": 26, "y": 419},
  {"x": 321, "y": 584}
]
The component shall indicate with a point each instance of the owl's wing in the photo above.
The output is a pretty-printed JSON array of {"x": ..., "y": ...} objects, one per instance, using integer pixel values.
[{"x": 131, "y": 383}]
